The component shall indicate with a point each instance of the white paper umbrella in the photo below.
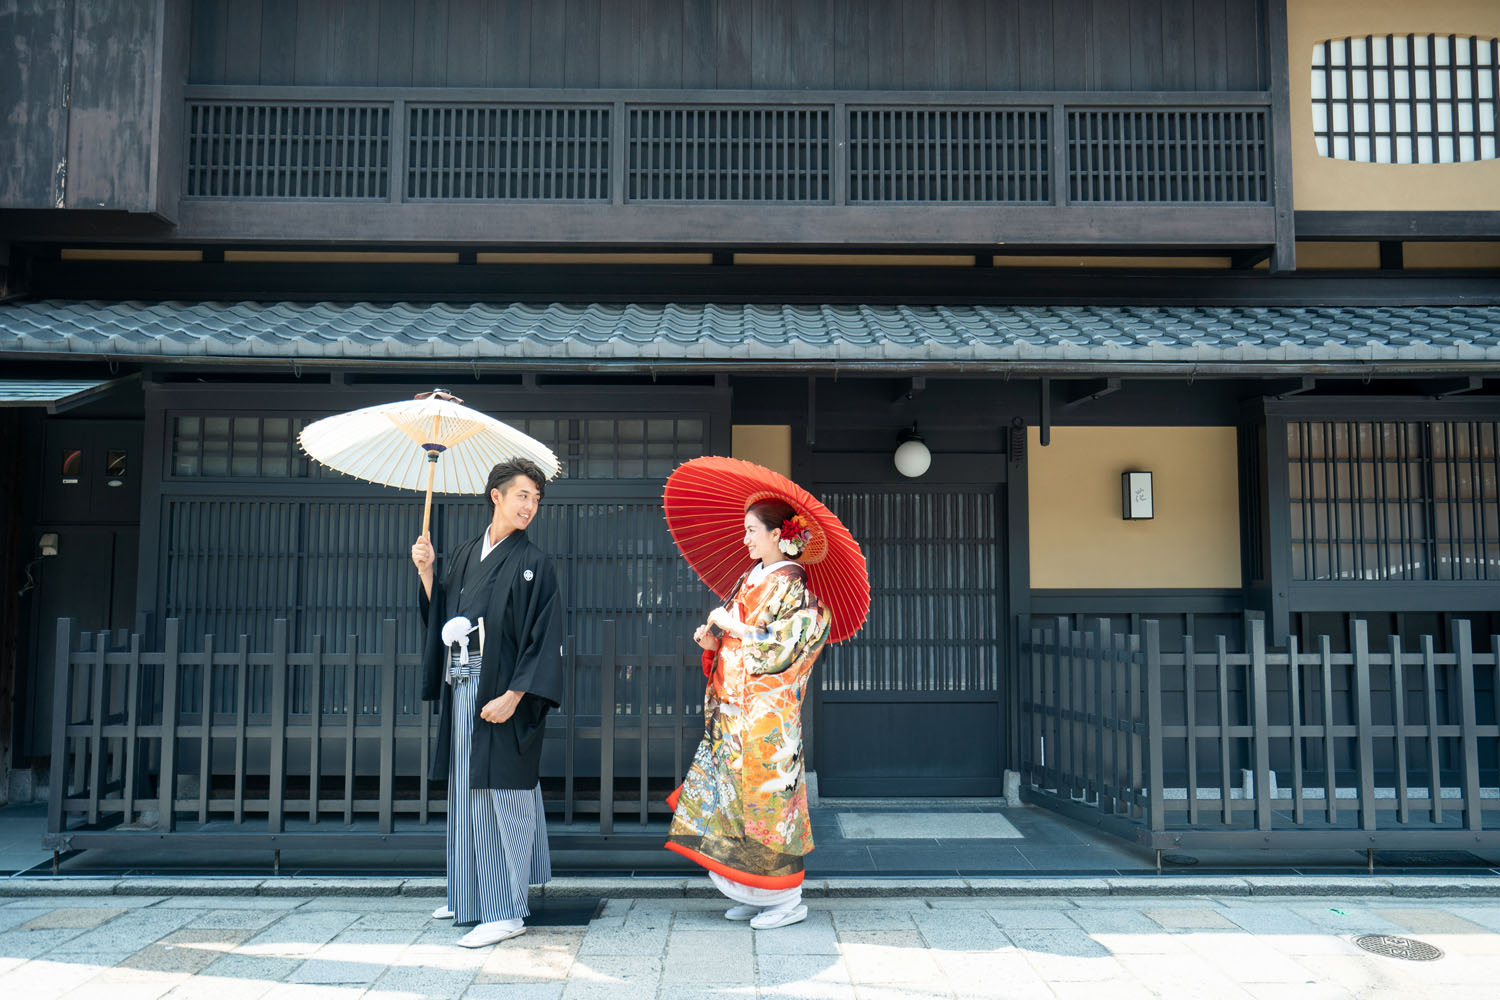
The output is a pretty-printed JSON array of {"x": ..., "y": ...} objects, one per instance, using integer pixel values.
[{"x": 432, "y": 442}]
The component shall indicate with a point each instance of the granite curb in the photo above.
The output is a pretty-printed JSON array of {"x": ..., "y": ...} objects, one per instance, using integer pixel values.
[{"x": 833, "y": 888}]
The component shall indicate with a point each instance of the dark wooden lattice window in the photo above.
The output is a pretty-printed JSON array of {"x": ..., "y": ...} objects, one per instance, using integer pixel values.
[
  {"x": 729, "y": 154},
  {"x": 535, "y": 153},
  {"x": 237, "y": 447},
  {"x": 260, "y": 149},
  {"x": 1377, "y": 501},
  {"x": 626, "y": 448},
  {"x": 1168, "y": 155},
  {"x": 935, "y": 155},
  {"x": 1406, "y": 98}
]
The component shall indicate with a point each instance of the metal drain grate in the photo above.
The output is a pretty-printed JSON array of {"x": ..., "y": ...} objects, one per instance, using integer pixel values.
[{"x": 1392, "y": 946}]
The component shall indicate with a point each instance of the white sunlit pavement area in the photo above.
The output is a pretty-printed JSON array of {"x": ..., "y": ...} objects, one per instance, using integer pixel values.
[{"x": 1282, "y": 938}]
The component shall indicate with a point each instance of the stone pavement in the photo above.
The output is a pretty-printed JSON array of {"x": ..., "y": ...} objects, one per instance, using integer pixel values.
[{"x": 1222, "y": 938}]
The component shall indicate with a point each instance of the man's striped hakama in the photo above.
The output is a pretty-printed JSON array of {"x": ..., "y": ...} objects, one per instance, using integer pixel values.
[{"x": 497, "y": 837}]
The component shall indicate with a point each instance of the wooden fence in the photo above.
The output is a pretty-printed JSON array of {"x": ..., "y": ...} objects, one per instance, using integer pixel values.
[
  {"x": 1396, "y": 748},
  {"x": 242, "y": 748}
]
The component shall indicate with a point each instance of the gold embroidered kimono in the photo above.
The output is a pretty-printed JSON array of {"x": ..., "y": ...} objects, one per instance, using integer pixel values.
[{"x": 742, "y": 809}]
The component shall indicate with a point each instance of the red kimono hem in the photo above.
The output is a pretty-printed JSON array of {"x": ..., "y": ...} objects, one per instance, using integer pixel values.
[{"x": 744, "y": 878}]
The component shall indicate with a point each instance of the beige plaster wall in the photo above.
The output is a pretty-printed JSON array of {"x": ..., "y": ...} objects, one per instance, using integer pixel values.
[
  {"x": 1078, "y": 539},
  {"x": 1322, "y": 184},
  {"x": 764, "y": 444}
]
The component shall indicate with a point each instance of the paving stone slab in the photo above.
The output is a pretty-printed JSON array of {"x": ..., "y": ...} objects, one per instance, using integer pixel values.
[
  {"x": 813, "y": 936},
  {"x": 72, "y": 916},
  {"x": 190, "y": 950},
  {"x": 534, "y": 991},
  {"x": 951, "y": 930},
  {"x": 420, "y": 982},
  {"x": 1189, "y": 918}
]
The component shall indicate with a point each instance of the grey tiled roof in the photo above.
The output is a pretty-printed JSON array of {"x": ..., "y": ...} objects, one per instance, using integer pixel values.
[{"x": 753, "y": 333}]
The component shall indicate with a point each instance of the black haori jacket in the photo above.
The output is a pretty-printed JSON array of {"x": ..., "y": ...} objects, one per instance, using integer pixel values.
[{"x": 523, "y": 652}]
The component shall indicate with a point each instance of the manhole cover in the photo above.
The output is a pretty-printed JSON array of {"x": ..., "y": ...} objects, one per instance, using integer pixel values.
[{"x": 1398, "y": 947}]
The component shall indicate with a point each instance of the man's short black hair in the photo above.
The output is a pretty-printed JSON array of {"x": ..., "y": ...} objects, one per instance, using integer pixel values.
[{"x": 504, "y": 473}]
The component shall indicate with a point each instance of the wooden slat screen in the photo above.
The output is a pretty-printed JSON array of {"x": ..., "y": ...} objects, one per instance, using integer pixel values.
[
  {"x": 1126, "y": 155},
  {"x": 509, "y": 152},
  {"x": 762, "y": 154},
  {"x": 941, "y": 155},
  {"x": 935, "y": 612},
  {"x": 288, "y": 149}
]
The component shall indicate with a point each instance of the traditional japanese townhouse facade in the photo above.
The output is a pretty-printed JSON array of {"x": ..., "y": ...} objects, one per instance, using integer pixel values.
[{"x": 1248, "y": 247}]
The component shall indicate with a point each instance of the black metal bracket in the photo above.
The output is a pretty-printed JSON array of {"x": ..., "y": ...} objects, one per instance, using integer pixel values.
[
  {"x": 1087, "y": 392},
  {"x": 1457, "y": 387},
  {"x": 914, "y": 387}
]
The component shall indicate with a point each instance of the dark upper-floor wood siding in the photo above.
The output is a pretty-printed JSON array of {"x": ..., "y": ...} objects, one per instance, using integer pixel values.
[
  {"x": 88, "y": 90},
  {"x": 734, "y": 44}
]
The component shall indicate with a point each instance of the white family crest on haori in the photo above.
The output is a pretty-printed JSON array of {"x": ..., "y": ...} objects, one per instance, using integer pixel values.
[{"x": 527, "y": 576}]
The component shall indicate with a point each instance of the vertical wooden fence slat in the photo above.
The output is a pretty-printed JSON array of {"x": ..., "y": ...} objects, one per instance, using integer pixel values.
[
  {"x": 275, "y": 817},
  {"x": 1156, "y": 818},
  {"x": 171, "y": 669},
  {"x": 315, "y": 733},
  {"x": 1294, "y": 690},
  {"x": 1067, "y": 642},
  {"x": 679, "y": 715},
  {"x": 570, "y": 733},
  {"x": 205, "y": 724},
  {"x": 1034, "y": 723},
  {"x": 1398, "y": 714},
  {"x": 1261, "y": 723},
  {"x": 1190, "y": 691},
  {"x": 1359, "y": 645},
  {"x": 387, "y": 725},
  {"x": 645, "y": 709},
  {"x": 1330, "y": 758},
  {"x": 1434, "y": 758},
  {"x": 1463, "y": 651},
  {"x": 241, "y": 718},
  {"x": 1093, "y": 657},
  {"x": 96, "y": 769},
  {"x": 607, "y": 728},
  {"x": 351, "y": 717},
  {"x": 1225, "y": 761},
  {"x": 133, "y": 723},
  {"x": 1131, "y": 655}
]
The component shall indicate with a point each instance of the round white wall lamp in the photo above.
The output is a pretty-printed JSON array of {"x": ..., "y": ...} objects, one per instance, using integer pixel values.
[{"x": 912, "y": 457}]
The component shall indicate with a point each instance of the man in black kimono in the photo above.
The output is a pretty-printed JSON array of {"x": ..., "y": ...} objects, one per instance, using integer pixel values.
[{"x": 492, "y": 657}]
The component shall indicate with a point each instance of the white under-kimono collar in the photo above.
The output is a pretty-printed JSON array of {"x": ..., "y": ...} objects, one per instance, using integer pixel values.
[{"x": 761, "y": 571}]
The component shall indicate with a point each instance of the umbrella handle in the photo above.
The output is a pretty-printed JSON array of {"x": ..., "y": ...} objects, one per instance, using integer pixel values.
[
  {"x": 433, "y": 451},
  {"x": 432, "y": 458}
]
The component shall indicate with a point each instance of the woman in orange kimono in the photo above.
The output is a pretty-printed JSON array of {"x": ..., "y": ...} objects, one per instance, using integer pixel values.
[{"x": 742, "y": 810}]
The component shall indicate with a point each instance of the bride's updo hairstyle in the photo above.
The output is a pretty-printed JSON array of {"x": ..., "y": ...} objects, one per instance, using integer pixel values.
[{"x": 772, "y": 514}]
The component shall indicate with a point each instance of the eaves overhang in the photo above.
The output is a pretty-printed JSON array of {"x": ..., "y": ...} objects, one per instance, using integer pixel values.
[{"x": 1134, "y": 339}]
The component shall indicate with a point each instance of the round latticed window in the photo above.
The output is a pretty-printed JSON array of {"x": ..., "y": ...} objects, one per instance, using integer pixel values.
[{"x": 1392, "y": 946}]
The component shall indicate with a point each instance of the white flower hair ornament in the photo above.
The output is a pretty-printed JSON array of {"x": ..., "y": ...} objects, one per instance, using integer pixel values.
[{"x": 796, "y": 532}]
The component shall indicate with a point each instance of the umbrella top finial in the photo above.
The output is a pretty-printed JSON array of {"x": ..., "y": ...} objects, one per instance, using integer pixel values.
[{"x": 438, "y": 394}]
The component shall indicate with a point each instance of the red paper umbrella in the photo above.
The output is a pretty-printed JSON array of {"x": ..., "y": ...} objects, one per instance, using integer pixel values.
[{"x": 706, "y": 500}]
